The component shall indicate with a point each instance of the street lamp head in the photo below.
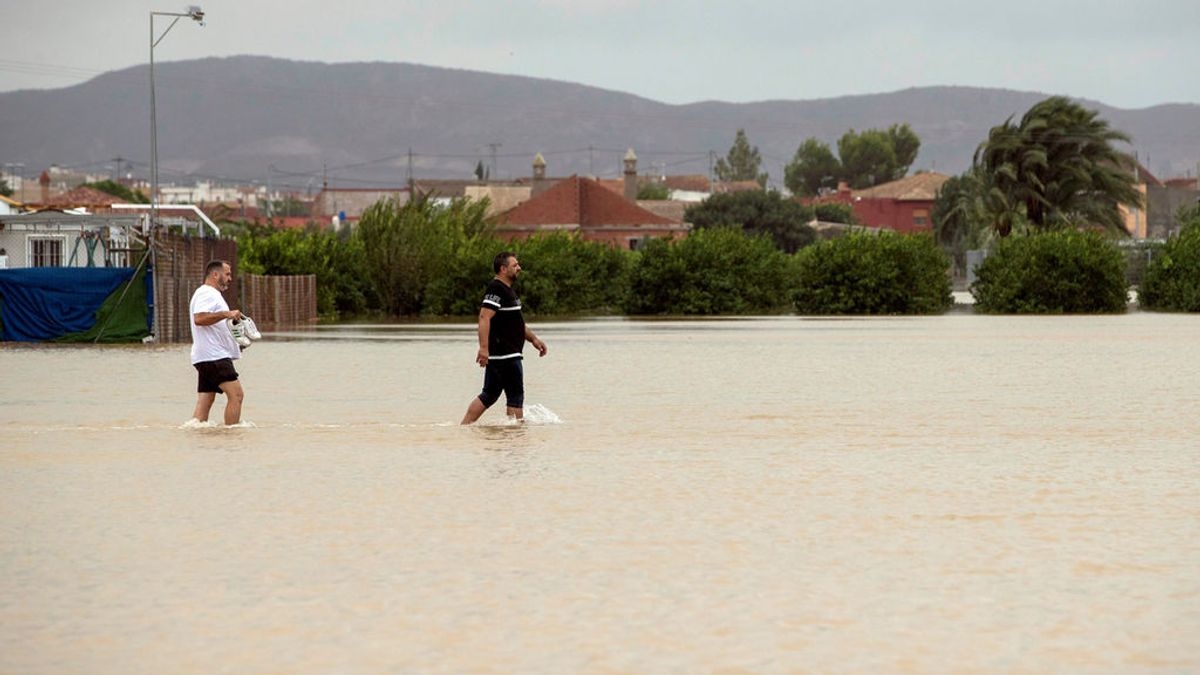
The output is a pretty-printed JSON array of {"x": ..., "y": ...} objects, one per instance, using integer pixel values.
[{"x": 196, "y": 14}]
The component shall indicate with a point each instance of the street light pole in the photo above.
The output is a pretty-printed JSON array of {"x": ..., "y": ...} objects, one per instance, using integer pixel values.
[{"x": 196, "y": 14}]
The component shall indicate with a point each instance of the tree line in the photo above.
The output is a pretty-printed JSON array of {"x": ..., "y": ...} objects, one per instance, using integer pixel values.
[
  {"x": 1042, "y": 195},
  {"x": 864, "y": 159},
  {"x": 750, "y": 253}
]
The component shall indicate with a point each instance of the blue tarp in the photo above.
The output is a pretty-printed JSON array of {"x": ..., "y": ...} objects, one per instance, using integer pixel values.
[{"x": 44, "y": 303}]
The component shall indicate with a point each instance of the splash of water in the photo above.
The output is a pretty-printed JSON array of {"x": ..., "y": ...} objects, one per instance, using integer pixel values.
[{"x": 540, "y": 414}]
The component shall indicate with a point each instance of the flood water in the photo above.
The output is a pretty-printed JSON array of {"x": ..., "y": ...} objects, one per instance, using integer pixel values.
[{"x": 958, "y": 493}]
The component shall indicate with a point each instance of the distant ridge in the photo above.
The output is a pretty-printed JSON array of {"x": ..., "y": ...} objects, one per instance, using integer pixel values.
[{"x": 296, "y": 123}]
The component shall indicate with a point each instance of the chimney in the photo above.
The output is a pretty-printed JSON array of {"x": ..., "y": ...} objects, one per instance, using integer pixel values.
[
  {"x": 539, "y": 176},
  {"x": 44, "y": 182},
  {"x": 631, "y": 188}
]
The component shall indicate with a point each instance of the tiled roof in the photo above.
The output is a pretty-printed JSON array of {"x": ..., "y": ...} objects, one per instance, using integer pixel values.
[
  {"x": 83, "y": 196},
  {"x": 580, "y": 201},
  {"x": 1185, "y": 183},
  {"x": 617, "y": 185},
  {"x": 1143, "y": 174},
  {"x": 695, "y": 183},
  {"x": 918, "y": 187},
  {"x": 665, "y": 208}
]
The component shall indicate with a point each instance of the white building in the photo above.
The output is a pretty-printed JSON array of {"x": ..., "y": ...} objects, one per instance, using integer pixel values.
[
  {"x": 205, "y": 192},
  {"x": 57, "y": 239}
]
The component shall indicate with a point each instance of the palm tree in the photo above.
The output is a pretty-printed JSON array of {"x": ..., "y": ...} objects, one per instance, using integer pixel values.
[
  {"x": 1057, "y": 167},
  {"x": 960, "y": 213}
]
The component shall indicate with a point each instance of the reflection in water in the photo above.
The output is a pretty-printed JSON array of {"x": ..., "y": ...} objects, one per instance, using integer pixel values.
[
  {"x": 888, "y": 495},
  {"x": 502, "y": 437}
]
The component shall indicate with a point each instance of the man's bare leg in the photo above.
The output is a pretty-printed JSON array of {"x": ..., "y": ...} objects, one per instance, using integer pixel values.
[
  {"x": 473, "y": 411},
  {"x": 204, "y": 401},
  {"x": 518, "y": 413},
  {"x": 233, "y": 403}
]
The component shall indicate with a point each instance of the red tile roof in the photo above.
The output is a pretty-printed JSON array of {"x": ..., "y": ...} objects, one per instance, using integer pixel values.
[
  {"x": 1143, "y": 175},
  {"x": 83, "y": 196},
  {"x": 1185, "y": 183},
  {"x": 918, "y": 187},
  {"x": 666, "y": 208},
  {"x": 616, "y": 185},
  {"x": 693, "y": 183},
  {"x": 580, "y": 201}
]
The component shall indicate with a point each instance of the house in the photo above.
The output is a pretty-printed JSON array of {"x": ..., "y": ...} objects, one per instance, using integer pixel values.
[
  {"x": 78, "y": 198},
  {"x": 500, "y": 197},
  {"x": 585, "y": 206},
  {"x": 1161, "y": 201},
  {"x": 205, "y": 192},
  {"x": 58, "y": 239},
  {"x": 352, "y": 202},
  {"x": 902, "y": 205},
  {"x": 1185, "y": 182}
]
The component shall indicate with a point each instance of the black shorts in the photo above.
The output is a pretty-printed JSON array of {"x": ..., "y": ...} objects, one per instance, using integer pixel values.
[
  {"x": 213, "y": 373},
  {"x": 505, "y": 375}
]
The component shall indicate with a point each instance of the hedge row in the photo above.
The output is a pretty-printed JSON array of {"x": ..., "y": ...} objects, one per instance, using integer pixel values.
[{"x": 421, "y": 258}]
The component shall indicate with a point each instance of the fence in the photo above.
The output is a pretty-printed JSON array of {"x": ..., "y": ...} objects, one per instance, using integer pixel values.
[
  {"x": 181, "y": 262},
  {"x": 288, "y": 299}
]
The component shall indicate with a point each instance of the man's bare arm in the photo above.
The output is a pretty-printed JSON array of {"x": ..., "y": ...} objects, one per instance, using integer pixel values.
[
  {"x": 485, "y": 331},
  {"x": 209, "y": 318}
]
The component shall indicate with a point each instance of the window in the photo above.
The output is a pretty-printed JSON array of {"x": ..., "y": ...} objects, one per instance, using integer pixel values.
[
  {"x": 46, "y": 250},
  {"x": 635, "y": 243},
  {"x": 920, "y": 216}
]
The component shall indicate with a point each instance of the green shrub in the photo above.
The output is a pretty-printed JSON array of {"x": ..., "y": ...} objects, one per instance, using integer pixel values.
[
  {"x": 865, "y": 273},
  {"x": 1054, "y": 272},
  {"x": 835, "y": 212},
  {"x": 757, "y": 212},
  {"x": 458, "y": 290},
  {"x": 653, "y": 191},
  {"x": 712, "y": 271},
  {"x": 336, "y": 259},
  {"x": 1172, "y": 280},
  {"x": 409, "y": 246},
  {"x": 564, "y": 274}
]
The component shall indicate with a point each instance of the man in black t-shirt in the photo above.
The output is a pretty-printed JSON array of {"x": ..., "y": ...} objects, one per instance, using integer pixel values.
[{"x": 502, "y": 336}]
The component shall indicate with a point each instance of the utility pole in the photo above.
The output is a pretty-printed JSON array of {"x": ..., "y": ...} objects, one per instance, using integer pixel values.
[
  {"x": 410, "y": 174},
  {"x": 494, "y": 147}
]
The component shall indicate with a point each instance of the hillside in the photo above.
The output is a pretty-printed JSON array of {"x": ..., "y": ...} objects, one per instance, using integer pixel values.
[{"x": 258, "y": 118}]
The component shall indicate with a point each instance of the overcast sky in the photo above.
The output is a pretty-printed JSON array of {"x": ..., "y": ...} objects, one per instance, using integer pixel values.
[{"x": 1126, "y": 54}]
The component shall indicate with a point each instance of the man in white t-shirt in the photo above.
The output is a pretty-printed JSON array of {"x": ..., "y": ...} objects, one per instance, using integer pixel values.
[{"x": 213, "y": 346}]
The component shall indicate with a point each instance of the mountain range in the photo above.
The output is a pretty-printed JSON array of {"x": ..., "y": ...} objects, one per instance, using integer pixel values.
[{"x": 298, "y": 124}]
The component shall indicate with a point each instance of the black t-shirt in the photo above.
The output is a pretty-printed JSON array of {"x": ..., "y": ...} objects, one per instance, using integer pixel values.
[{"x": 506, "y": 338}]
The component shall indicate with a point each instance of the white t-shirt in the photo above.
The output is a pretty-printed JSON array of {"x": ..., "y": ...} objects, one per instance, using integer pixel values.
[{"x": 211, "y": 343}]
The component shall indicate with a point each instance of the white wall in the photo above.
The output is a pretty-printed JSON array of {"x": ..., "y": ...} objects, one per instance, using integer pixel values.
[{"x": 16, "y": 244}]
